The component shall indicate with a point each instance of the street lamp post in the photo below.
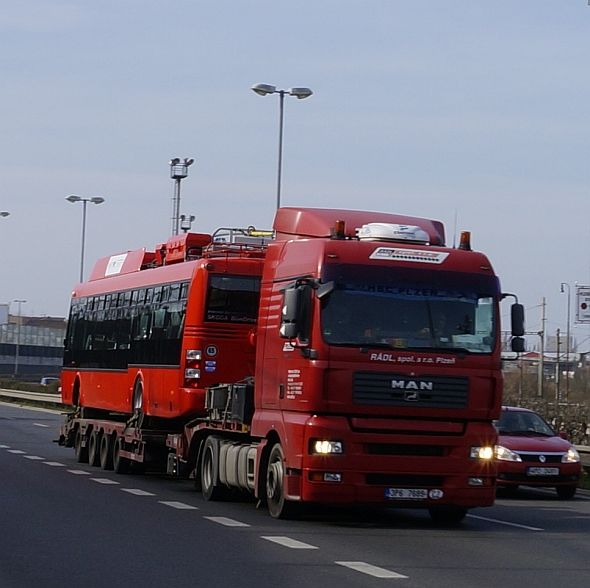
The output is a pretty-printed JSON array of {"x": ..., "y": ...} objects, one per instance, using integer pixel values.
[
  {"x": 95, "y": 200},
  {"x": 18, "y": 325},
  {"x": 567, "y": 342},
  {"x": 178, "y": 171},
  {"x": 301, "y": 94}
]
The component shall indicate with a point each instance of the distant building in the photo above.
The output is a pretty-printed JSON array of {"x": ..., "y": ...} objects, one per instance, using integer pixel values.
[{"x": 40, "y": 344}]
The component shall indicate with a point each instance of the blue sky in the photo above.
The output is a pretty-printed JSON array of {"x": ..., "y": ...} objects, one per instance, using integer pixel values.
[{"x": 473, "y": 109}]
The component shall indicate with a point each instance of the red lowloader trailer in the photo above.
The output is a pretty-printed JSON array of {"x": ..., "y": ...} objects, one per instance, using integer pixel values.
[{"x": 353, "y": 358}]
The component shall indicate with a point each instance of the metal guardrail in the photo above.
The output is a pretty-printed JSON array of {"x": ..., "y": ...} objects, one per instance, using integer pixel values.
[
  {"x": 32, "y": 398},
  {"x": 584, "y": 451}
]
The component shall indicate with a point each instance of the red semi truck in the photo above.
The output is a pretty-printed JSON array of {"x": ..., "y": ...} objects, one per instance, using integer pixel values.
[{"x": 350, "y": 358}]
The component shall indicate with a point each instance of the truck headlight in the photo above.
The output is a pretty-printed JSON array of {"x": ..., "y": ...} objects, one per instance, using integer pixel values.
[
  {"x": 326, "y": 447},
  {"x": 483, "y": 452},
  {"x": 505, "y": 454}
]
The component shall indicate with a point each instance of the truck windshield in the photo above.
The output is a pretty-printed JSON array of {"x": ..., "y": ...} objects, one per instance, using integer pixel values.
[{"x": 416, "y": 315}]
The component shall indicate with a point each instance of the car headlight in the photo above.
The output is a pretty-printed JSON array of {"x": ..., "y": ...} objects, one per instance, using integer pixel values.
[
  {"x": 572, "y": 456},
  {"x": 505, "y": 454}
]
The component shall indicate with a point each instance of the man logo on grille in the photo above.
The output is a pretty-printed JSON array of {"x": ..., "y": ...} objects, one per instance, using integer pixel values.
[{"x": 411, "y": 396}]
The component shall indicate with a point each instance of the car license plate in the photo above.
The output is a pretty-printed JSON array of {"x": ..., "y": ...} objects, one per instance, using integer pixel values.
[
  {"x": 542, "y": 472},
  {"x": 406, "y": 493}
]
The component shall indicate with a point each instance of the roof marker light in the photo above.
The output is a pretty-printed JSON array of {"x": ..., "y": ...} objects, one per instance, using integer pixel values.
[{"x": 465, "y": 242}]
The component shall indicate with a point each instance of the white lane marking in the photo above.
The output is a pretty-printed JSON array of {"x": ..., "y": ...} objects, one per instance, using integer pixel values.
[
  {"x": 104, "y": 481},
  {"x": 179, "y": 505},
  {"x": 365, "y": 568},
  {"x": 291, "y": 543},
  {"x": 55, "y": 464},
  {"x": 137, "y": 492},
  {"x": 4, "y": 446},
  {"x": 40, "y": 425},
  {"x": 18, "y": 451},
  {"x": 227, "y": 522},
  {"x": 33, "y": 457},
  {"x": 505, "y": 523},
  {"x": 79, "y": 472}
]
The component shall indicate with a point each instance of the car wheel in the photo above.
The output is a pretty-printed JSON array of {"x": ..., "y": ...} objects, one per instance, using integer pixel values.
[{"x": 566, "y": 492}]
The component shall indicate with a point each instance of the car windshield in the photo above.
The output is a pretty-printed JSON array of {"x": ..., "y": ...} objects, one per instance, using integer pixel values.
[
  {"x": 451, "y": 315},
  {"x": 523, "y": 423}
]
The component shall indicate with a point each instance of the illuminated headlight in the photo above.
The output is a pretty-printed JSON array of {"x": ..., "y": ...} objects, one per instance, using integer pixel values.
[
  {"x": 193, "y": 354},
  {"x": 572, "y": 456},
  {"x": 325, "y": 447},
  {"x": 192, "y": 374},
  {"x": 485, "y": 452},
  {"x": 505, "y": 454}
]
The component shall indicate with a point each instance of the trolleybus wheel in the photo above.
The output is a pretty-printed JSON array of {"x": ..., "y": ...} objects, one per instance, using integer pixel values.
[
  {"x": 106, "y": 452},
  {"x": 211, "y": 488},
  {"x": 121, "y": 465},
  {"x": 278, "y": 506},
  {"x": 94, "y": 448},
  {"x": 80, "y": 450}
]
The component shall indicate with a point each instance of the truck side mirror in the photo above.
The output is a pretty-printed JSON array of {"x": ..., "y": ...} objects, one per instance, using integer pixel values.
[
  {"x": 290, "y": 313},
  {"x": 517, "y": 320},
  {"x": 518, "y": 345}
]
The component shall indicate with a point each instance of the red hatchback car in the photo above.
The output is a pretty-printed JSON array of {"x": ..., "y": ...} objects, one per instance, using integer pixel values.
[{"x": 531, "y": 453}]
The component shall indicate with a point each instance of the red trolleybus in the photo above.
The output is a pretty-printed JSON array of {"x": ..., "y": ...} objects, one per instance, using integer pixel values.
[{"x": 150, "y": 331}]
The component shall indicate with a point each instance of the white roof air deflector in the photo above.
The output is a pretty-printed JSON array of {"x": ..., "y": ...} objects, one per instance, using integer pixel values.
[{"x": 392, "y": 232}]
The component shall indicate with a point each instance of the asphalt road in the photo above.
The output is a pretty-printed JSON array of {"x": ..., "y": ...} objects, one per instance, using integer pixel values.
[{"x": 68, "y": 524}]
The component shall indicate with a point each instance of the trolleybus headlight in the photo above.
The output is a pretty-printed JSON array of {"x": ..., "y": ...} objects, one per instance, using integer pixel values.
[
  {"x": 326, "y": 447},
  {"x": 483, "y": 452},
  {"x": 505, "y": 454},
  {"x": 192, "y": 374},
  {"x": 572, "y": 456},
  {"x": 193, "y": 354}
]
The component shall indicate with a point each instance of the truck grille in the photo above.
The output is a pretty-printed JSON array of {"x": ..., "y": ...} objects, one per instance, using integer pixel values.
[
  {"x": 411, "y": 480},
  {"x": 384, "y": 389}
]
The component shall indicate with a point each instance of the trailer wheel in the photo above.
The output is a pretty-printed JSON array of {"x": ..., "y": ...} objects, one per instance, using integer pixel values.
[
  {"x": 448, "y": 516},
  {"x": 278, "y": 506},
  {"x": 80, "y": 450},
  {"x": 94, "y": 448},
  {"x": 211, "y": 488},
  {"x": 106, "y": 452},
  {"x": 121, "y": 465}
]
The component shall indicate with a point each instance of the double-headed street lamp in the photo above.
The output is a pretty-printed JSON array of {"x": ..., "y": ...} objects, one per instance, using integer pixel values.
[
  {"x": 95, "y": 200},
  {"x": 300, "y": 93},
  {"x": 178, "y": 171}
]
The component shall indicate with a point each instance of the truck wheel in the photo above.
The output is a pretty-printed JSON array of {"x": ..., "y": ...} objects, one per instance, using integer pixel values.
[
  {"x": 106, "y": 452},
  {"x": 448, "y": 516},
  {"x": 121, "y": 465},
  {"x": 80, "y": 451},
  {"x": 278, "y": 506},
  {"x": 209, "y": 471},
  {"x": 566, "y": 492},
  {"x": 94, "y": 448}
]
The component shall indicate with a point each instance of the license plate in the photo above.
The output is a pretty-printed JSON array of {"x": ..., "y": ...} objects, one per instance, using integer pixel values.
[
  {"x": 406, "y": 493},
  {"x": 542, "y": 472}
]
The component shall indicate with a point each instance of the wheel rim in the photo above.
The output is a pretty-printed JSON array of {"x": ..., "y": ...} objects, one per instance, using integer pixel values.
[{"x": 206, "y": 470}]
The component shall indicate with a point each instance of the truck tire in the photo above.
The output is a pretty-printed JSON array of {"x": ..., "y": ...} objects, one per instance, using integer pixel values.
[
  {"x": 447, "y": 516},
  {"x": 211, "y": 488},
  {"x": 278, "y": 506},
  {"x": 121, "y": 465},
  {"x": 80, "y": 450},
  {"x": 106, "y": 452},
  {"x": 94, "y": 448}
]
